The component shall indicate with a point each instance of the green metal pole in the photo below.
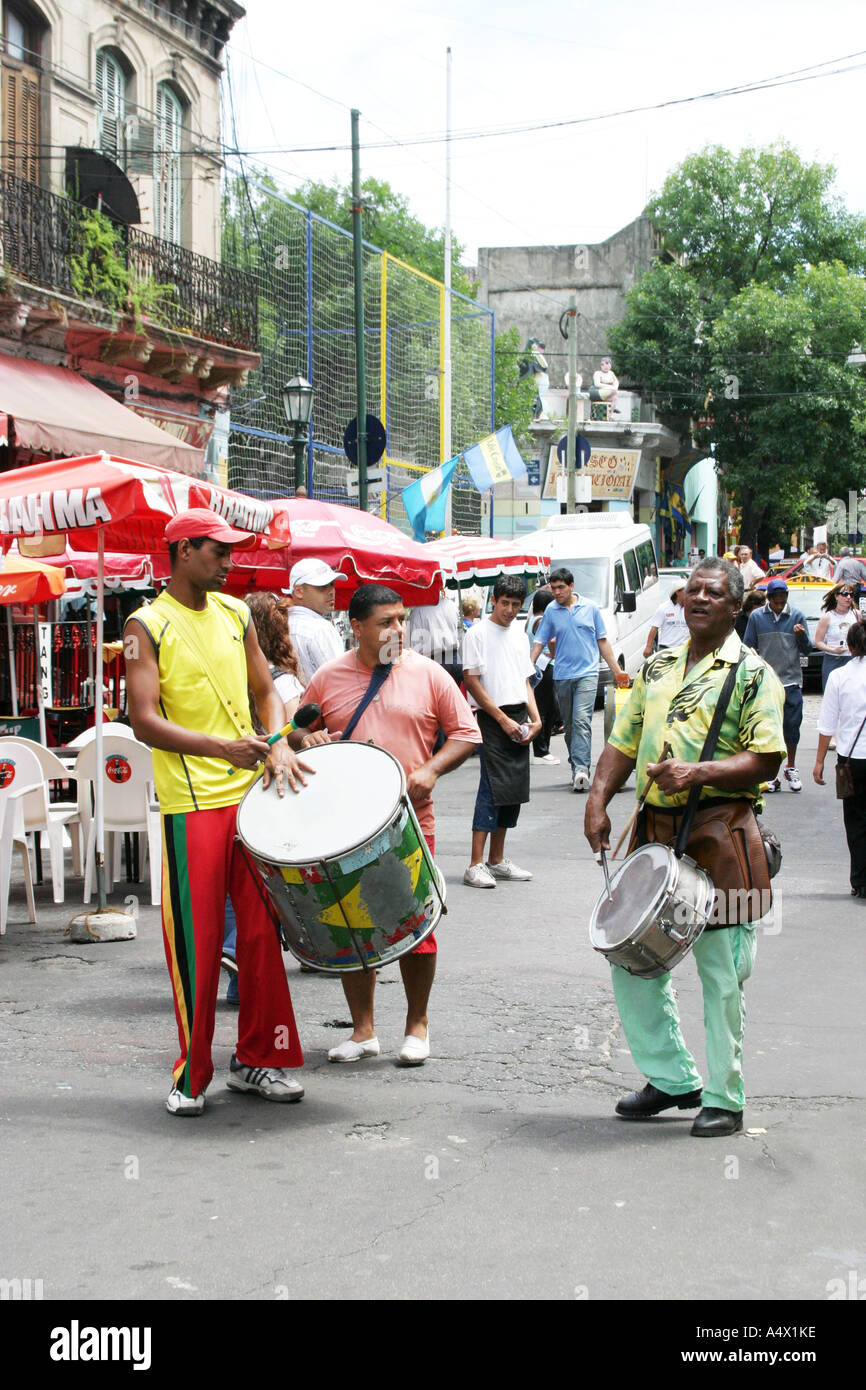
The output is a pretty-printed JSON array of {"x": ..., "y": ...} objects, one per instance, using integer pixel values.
[{"x": 360, "y": 373}]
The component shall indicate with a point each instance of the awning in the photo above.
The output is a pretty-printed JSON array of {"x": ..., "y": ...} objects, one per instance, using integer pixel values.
[{"x": 55, "y": 411}]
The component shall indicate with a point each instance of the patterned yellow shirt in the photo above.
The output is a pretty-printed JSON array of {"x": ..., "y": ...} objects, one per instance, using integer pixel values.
[{"x": 668, "y": 706}]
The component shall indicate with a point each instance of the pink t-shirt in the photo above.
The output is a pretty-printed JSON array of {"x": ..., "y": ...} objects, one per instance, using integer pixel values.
[{"x": 416, "y": 700}]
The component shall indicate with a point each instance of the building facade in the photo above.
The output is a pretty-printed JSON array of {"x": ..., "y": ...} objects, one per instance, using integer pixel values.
[{"x": 110, "y": 170}]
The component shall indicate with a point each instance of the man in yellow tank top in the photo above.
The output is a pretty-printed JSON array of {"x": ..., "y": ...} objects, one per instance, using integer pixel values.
[{"x": 190, "y": 657}]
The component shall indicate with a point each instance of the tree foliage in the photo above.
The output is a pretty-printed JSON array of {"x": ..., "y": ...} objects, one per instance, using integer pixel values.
[{"x": 743, "y": 341}]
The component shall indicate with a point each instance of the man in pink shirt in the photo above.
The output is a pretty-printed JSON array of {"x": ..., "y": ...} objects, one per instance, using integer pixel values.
[{"x": 416, "y": 699}]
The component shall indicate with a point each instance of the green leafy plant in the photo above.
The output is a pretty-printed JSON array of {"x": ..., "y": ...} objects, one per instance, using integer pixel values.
[{"x": 98, "y": 270}]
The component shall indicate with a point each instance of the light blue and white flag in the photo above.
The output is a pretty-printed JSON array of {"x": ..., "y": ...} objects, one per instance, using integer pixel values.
[
  {"x": 495, "y": 459},
  {"x": 425, "y": 500}
]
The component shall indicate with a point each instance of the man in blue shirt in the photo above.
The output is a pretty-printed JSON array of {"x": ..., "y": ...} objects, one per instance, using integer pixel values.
[
  {"x": 573, "y": 630},
  {"x": 779, "y": 634}
]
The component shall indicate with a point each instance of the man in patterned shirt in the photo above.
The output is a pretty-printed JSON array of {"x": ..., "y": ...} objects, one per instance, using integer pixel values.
[{"x": 673, "y": 701}]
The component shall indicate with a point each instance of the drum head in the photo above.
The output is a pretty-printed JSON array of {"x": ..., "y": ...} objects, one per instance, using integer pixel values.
[
  {"x": 637, "y": 889},
  {"x": 353, "y": 795}
]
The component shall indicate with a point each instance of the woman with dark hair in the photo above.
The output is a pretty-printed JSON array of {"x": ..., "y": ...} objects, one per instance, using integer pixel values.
[
  {"x": 843, "y": 714},
  {"x": 840, "y": 613},
  {"x": 545, "y": 696},
  {"x": 269, "y": 614},
  {"x": 754, "y": 599}
]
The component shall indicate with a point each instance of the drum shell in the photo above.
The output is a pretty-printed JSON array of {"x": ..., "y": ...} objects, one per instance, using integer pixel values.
[
  {"x": 660, "y": 940},
  {"x": 361, "y": 908}
]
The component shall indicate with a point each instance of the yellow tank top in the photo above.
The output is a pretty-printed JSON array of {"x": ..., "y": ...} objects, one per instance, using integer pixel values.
[{"x": 186, "y": 697}]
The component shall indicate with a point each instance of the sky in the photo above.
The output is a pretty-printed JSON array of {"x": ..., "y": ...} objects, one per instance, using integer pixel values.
[{"x": 297, "y": 70}]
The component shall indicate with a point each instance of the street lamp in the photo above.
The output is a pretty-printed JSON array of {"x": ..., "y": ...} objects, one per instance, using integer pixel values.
[{"x": 298, "y": 405}]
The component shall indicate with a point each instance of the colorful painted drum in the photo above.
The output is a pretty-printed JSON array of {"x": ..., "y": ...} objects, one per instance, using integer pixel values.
[{"x": 344, "y": 861}]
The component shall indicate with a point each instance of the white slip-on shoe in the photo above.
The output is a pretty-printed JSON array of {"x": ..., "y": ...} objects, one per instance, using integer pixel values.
[
  {"x": 349, "y": 1051},
  {"x": 415, "y": 1051}
]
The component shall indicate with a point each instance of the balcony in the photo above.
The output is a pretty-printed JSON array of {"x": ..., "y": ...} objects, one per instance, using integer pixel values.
[{"x": 48, "y": 241}]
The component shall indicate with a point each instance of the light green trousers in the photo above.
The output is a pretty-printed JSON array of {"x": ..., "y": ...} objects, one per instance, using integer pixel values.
[{"x": 651, "y": 1020}]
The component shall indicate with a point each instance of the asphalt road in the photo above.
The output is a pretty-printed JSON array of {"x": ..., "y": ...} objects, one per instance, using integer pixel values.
[{"x": 496, "y": 1171}]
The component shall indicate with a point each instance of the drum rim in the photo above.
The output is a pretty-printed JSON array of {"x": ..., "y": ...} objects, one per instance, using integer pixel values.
[{"x": 332, "y": 856}]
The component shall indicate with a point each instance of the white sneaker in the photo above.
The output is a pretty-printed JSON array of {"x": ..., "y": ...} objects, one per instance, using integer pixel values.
[
  {"x": 792, "y": 777},
  {"x": 506, "y": 869},
  {"x": 479, "y": 876},
  {"x": 580, "y": 781},
  {"x": 349, "y": 1051},
  {"x": 774, "y": 786},
  {"x": 272, "y": 1083},
  {"x": 549, "y": 758},
  {"x": 179, "y": 1104}
]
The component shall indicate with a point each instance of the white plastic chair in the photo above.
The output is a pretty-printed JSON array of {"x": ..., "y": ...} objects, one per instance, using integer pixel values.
[
  {"x": 114, "y": 729},
  {"x": 15, "y": 781},
  {"x": 50, "y": 818},
  {"x": 127, "y": 785}
]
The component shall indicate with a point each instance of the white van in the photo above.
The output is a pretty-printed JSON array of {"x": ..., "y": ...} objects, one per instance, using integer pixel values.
[{"x": 613, "y": 561}]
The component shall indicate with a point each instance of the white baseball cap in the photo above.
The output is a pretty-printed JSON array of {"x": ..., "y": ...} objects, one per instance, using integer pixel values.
[{"x": 314, "y": 572}]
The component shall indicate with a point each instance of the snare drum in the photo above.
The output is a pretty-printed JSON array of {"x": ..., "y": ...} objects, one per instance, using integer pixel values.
[
  {"x": 344, "y": 861},
  {"x": 657, "y": 908}
]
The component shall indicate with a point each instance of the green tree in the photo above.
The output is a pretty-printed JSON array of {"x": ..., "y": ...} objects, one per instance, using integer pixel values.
[
  {"x": 514, "y": 397},
  {"x": 750, "y": 327}
]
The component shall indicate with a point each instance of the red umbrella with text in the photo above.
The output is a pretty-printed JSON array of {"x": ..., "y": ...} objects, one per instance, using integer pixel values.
[{"x": 100, "y": 502}]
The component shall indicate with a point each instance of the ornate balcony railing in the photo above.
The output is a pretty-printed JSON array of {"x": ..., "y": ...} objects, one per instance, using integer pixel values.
[{"x": 45, "y": 241}]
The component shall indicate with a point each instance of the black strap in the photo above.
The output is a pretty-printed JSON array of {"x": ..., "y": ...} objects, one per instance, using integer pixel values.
[
  {"x": 377, "y": 680},
  {"x": 707, "y": 754}
]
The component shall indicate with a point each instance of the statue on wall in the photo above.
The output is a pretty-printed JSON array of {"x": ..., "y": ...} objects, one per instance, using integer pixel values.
[
  {"x": 535, "y": 365},
  {"x": 605, "y": 384}
]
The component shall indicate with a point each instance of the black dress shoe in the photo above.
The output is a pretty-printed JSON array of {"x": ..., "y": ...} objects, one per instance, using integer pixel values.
[
  {"x": 712, "y": 1123},
  {"x": 640, "y": 1105}
]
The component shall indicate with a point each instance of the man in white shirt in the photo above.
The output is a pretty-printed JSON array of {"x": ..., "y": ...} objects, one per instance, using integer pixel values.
[
  {"x": 496, "y": 672},
  {"x": 818, "y": 562},
  {"x": 314, "y": 637},
  {"x": 751, "y": 572},
  {"x": 669, "y": 622}
]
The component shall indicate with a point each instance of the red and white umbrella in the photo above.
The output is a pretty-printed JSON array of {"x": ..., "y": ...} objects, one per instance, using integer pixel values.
[
  {"x": 470, "y": 560},
  {"x": 363, "y": 547},
  {"x": 98, "y": 502}
]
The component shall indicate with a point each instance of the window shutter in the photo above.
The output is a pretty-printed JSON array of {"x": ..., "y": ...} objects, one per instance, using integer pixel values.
[
  {"x": 111, "y": 95},
  {"x": 21, "y": 121},
  {"x": 167, "y": 173}
]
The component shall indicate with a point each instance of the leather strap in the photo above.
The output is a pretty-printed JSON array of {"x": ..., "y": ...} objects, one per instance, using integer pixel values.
[{"x": 707, "y": 754}]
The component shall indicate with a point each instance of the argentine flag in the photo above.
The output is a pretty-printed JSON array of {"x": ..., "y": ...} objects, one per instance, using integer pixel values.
[
  {"x": 425, "y": 500},
  {"x": 495, "y": 459}
]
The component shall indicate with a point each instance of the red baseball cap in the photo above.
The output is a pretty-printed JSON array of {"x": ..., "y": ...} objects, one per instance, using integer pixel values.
[{"x": 201, "y": 521}]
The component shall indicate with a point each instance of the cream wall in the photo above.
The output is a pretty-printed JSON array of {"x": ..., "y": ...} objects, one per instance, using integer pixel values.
[{"x": 153, "y": 51}]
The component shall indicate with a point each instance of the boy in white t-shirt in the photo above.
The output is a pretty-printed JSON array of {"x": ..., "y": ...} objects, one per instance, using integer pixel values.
[{"x": 496, "y": 673}]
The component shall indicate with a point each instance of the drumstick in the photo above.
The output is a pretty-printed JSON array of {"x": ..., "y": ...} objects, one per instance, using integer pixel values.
[
  {"x": 667, "y": 752},
  {"x": 601, "y": 858},
  {"x": 306, "y": 715}
]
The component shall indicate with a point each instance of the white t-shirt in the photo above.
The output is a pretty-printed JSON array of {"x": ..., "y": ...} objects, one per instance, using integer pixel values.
[
  {"x": 670, "y": 621},
  {"x": 314, "y": 639},
  {"x": 843, "y": 708},
  {"x": 500, "y": 657},
  {"x": 288, "y": 687}
]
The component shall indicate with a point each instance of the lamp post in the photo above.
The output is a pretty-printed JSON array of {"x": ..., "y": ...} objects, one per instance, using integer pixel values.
[{"x": 298, "y": 405}]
